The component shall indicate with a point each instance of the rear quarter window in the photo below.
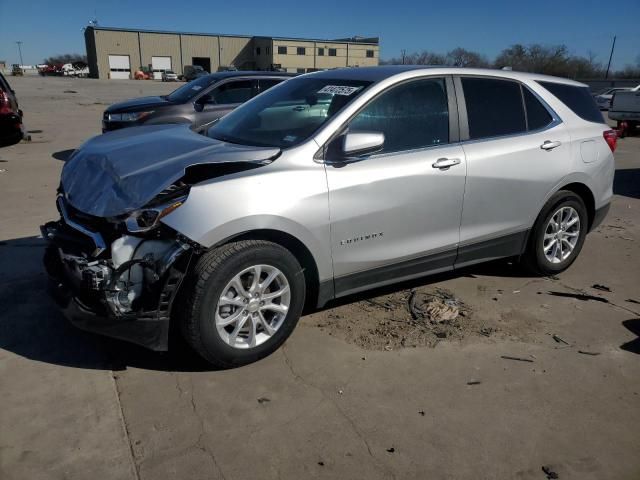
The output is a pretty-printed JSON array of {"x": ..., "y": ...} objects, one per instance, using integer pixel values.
[{"x": 578, "y": 99}]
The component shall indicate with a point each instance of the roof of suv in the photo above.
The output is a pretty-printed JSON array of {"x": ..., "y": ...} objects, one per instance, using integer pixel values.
[
  {"x": 376, "y": 74},
  {"x": 242, "y": 73}
]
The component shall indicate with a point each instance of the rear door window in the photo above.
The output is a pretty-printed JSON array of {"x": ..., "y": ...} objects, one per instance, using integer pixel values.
[
  {"x": 494, "y": 107},
  {"x": 232, "y": 92},
  {"x": 267, "y": 83},
  {"x": 578, "y": 99},
  {"x": 411, "y": 115},
  {"x": 538, "y": 116}
]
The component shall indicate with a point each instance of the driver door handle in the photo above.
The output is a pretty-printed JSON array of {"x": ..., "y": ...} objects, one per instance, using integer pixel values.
[
  {"x": 549, "y": 145},
  {"x": 299, "y": 108},
  {"x": 443, "y": 163}
]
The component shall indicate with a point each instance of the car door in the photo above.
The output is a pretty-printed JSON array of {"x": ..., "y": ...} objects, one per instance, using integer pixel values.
[
  {"x": 516, "y": 149},
  {"x": 395, "y": 214},
  {"x": 222, "y": 99}
]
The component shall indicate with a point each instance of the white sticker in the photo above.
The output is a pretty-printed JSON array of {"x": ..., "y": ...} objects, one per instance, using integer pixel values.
[
  {"x": 339, "y": 90},
  {"x": 289, "y": 138},
  {"x": 196, "y": 88}
]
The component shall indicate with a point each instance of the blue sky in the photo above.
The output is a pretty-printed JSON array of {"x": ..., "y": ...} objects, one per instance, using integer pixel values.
[{"x": 49, "y": 27}]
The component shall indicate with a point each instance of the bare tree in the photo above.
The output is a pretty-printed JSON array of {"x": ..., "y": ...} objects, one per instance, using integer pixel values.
[
  {"x": 66, "y": 58},
  {"x": 460, "y": 57}
]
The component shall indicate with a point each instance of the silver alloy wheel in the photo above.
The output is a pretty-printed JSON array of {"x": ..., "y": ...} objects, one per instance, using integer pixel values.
[
  {"x": 561, "y": 235},
  {"x": 252, "y": 306}
]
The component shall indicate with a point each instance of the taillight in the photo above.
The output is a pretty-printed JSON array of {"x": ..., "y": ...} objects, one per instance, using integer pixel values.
[
  {"x": 611, "y": 137},
  {"x": 5, "y": 106}
]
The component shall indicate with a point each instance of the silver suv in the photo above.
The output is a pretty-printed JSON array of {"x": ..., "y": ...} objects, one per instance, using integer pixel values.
[{"x": 327, "y": 184}]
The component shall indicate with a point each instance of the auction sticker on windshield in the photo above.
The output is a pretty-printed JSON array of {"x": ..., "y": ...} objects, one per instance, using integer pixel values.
[{"x": 339, "y": 90}]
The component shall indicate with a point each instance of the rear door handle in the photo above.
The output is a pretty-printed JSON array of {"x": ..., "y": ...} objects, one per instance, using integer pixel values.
[
  {"x": 548, "y": 145},
  {"x": 299, "y": 108},
  {"x": 445, "y": 162}
]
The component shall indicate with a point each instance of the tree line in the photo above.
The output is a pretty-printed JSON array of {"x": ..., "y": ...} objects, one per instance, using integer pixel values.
[
  {"x": 551, "y": 60},
  {"x": 65, "y": 58}
]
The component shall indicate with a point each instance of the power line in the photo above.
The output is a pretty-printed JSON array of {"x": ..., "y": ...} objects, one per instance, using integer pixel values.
[{"x": 613, "y": 45}]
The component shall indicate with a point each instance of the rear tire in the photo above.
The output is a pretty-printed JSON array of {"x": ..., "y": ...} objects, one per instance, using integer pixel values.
[
  {"x": 223, "y": 288},
  {"x": 558, "y": 234}
]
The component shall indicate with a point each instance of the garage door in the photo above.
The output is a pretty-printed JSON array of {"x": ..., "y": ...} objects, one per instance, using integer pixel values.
[
  {"x": 119, "y": 66},
  {"x": 159, "y": 65}
]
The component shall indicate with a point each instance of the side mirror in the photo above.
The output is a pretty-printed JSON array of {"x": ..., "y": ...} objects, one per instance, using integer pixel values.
[
  {"x": 361, "y": 143},
  {"x": 198, "y": 106}
]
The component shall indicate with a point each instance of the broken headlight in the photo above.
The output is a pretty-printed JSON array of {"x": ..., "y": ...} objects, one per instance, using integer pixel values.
[{"x": 147, "y": 219}]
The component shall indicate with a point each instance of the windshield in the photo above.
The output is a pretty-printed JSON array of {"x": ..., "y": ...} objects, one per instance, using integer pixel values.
[
  {"x": 189, "y": 90},
  {"x": 287, "y": 114}
]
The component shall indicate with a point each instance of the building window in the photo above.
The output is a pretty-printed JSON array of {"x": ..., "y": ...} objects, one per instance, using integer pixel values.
[
  {"x": 321, "y": 52},
  {"x": 370, "y": 53},
  {"x": 332, "y": 52},
  {"x": 257, "y": 50},
  {"x": 282, "y": 50},
  {"x": 299, "y": 70},
  {"x": 301, "y": 51}
]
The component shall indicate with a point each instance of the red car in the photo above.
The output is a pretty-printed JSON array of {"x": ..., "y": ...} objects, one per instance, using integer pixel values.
[{"x": 11, "y": 127}]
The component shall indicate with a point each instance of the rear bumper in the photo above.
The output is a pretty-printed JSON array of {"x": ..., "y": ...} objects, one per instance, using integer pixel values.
[{"x": 599, "y": 216}]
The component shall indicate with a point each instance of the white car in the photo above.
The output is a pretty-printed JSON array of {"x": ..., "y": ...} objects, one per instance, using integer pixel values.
[
  {"x": 603, "y": 99},
  {"x": 169, "y": 76}
]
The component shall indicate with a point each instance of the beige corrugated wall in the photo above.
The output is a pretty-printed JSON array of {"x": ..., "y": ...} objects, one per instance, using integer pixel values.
[
  {"x": 116, "y": 43},
  {"x": 237, "y": 51},
  {"x": 200, "y": 46},
  {"x": 159, "y": 45}
]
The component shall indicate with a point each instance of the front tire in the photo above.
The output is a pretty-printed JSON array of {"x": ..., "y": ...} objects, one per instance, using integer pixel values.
[
  {"x": 243, "y": 302},
  {"x": 558, "y": 234}
]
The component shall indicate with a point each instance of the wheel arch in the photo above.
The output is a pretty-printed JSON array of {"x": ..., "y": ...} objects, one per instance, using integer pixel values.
[
  {"x": 585, "y": 193},
  {"x": 299, "y": 250}
]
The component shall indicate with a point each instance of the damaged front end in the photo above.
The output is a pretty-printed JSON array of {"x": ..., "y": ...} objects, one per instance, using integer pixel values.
[
  {"x": 116, "y": 268},
  {"x": 117, "y": 277}
]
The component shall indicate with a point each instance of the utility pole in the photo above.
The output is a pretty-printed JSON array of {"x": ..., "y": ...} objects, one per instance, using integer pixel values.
[
  {"x": 19, "y": 43},
  {"x": 403, "y": 52},
  {"x": 613, "y": 45}
]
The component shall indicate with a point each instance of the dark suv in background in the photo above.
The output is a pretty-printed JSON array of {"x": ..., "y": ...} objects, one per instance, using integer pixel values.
[
  {"x": 11, "y": 128},
  {"x": 198, "y": 103}
]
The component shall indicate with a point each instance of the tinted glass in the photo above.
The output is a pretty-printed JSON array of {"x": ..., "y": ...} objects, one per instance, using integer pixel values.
[
  {"x": 332, "y": 52},
  {"x": 282, "y": 50},
  {"x": 287, "y": 115},
  {"x": 301, "y": 50},
  {"x": 494, "y": 107},
  {"x": 578, "y": 99},
  {"x": 412, "y": 115},
  {"x": 267, "y": 83},
  {"x": 190, "y": 90},
  {"x": 231, "y": 92},
  {"x": 537, "y": 115}
]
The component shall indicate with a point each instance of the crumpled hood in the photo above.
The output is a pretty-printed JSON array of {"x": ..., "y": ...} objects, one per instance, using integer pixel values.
[{"x": 121, "y": 171}]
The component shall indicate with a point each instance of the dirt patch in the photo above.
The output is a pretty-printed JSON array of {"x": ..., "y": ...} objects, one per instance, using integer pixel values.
[{"x": 410, "y": 318}]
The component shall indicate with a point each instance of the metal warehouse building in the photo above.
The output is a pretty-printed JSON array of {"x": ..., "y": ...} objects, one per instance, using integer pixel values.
[{"x": 118, "y": 52}]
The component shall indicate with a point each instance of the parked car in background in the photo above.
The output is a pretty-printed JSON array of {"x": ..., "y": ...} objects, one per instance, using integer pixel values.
[
  {"x": 329, "y": 184},
  {"x": 625, "y": 109},
  {"x": 198, "y": 103},
  {"x": 11, "y": 127},
  {"x": 169, "y": 76},
  {"x": 603, "y": 99},
  {"x": 191, "y": 72}
]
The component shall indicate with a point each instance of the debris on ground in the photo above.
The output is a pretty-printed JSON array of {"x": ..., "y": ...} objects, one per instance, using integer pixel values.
[
  {"x": 405, "y": 319},
  {"x": 262, "y": 400},
  {"x": 391, "y": 450},
  {"x": 602, "y": 288},
  {"x": 486, "y": 331},
  {"x": 631, "y": 300},
  {"x": 321, "y": 463},
  {"x": 579, "y": 296},
  {"x": 519, "y": 359},
  {"x": 474, "y": 382},
  {"x": 559, "y": 339},
  {"x": 551, "y": 475},
  {"x": 421, "y": 412},
  {"x": 585, "y": 352},
  {"x": 69, "y": 91}
]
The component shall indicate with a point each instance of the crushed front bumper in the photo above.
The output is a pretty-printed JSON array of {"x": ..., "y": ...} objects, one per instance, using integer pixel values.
[{"x": 88, "y": 308}]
